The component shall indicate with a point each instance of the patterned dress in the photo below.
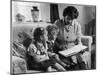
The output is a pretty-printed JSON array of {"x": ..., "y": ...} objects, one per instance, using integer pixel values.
[{"x": 34, "y": 51}]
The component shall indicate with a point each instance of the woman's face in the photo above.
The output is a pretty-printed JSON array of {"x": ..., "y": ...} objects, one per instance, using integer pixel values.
[
  {"x": 67, "y": 20},
  {"x": 44, "y": 37}
]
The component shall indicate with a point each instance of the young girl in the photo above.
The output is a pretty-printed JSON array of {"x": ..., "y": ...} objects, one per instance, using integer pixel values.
[{"x": 37, "y": 52}]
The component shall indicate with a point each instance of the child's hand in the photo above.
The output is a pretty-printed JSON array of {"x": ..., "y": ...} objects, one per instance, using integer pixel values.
[{"x": 51, "y": 54}]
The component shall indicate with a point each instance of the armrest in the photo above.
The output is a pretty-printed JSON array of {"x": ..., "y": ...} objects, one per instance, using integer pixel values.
[
  {"x": 18, "y": 65},
  {"x": 87, "y": 40}
]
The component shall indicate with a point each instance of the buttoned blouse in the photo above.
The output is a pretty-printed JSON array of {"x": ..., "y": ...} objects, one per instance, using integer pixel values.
[{"x": 69, "y": 33}]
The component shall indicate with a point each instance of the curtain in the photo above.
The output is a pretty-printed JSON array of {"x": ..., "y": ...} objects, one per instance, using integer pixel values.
[{"x": 54, "y": 14}]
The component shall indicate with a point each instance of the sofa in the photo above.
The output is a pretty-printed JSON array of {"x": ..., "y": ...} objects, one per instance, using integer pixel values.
[{"x": 18, "y": 64}]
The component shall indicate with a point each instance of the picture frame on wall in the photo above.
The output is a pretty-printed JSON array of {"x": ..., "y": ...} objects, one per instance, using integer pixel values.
[{"x": 52, "y": 37}]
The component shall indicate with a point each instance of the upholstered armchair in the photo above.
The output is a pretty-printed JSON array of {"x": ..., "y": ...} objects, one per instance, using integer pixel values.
[{"x": 19, "y": 64}]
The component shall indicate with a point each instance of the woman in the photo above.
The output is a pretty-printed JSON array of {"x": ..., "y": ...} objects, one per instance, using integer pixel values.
[{"x": 69, "y": 32}]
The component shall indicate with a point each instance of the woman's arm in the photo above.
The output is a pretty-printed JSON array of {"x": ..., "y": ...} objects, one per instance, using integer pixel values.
[{"x": 79, "y": 34}]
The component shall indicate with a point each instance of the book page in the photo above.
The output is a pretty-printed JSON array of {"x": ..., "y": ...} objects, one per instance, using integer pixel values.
[{"x": 73, "y": 50}]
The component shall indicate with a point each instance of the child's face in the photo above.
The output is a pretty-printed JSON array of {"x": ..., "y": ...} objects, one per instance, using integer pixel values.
[
  {"x": 53, "y": 35},
  {"x": 44, "y": 37}
]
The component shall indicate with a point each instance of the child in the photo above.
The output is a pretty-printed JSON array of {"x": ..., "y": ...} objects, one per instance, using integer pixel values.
[
  {"x": 37, "y": 52},
  {"x": 52, "y": 35}
]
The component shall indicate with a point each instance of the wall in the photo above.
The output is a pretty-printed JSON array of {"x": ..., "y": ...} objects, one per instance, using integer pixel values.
[
  {"x": 24, "y": 8},
  {"x": 86, "y": 13},
  {"x": 45, "y": 11}
]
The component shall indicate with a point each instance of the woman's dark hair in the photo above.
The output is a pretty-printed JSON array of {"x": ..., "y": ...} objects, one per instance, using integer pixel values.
[
  {"x": 39, "y": 31},
  {"x": 71, "y": 11}
]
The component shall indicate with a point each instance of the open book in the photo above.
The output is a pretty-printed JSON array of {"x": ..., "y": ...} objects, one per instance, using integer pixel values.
[{"x": 74, "y": 50}]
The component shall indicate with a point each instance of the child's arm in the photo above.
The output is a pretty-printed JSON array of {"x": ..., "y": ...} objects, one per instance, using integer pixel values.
[
  {"x": 40, "y": 58},
  {"x": 37, "y": 57}
]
